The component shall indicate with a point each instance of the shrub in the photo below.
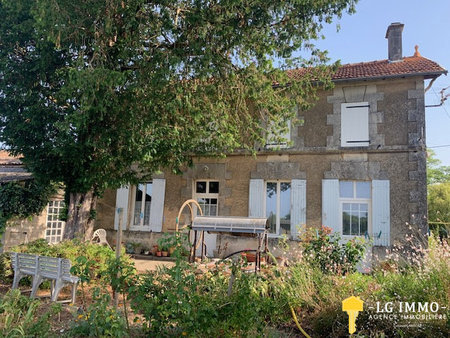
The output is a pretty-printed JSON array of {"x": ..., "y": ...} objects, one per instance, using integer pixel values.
[
  {"x": 100, "y": 319},
  {"x": 329, "y": 254}
]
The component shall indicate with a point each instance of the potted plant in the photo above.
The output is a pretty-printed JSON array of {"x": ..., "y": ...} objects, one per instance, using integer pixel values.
[
  {"x": 165, "y": 252},
  {"x": 167, "y": 243}
]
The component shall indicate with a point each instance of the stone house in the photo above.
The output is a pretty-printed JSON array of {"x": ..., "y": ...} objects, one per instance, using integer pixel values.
[{"x": 356, "y": 163}]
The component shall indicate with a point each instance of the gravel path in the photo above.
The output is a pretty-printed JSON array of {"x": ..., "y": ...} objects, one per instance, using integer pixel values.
[{"x": 143, "y": 265}]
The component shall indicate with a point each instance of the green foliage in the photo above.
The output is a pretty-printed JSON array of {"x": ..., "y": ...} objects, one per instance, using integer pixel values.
[
  {"x": 329, "y": 254},
  {"x": 436, "y": 173},
  {"x": 439, "y": 207},
  {"x": 23, "y": 199},
  {"x": 99, "y": 319},
  {"x": 89, "y": 89},
  {"x": 20, "y": 316},
  {"x": 176, "y": 301},
  {"x": 167, "y": 241}
]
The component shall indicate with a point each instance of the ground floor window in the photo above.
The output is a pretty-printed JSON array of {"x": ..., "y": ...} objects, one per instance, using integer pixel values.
[
  {"x": 142, "y": 202},
  {"x": 207, "y": 195},
  {"x": 55, "y": 227},
  {"x": 355, "y": 201},
  {"x": 278, "y": 207}
]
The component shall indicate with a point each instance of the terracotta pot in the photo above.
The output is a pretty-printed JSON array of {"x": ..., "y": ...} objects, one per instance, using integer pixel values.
[
  {"x": 171, "y": 250},
  {"x": 154, "y": 250},
  {"x": 251, "y": 257},
  {"x": 165, "y": 253},
  {"x": 158, "y": 253}
]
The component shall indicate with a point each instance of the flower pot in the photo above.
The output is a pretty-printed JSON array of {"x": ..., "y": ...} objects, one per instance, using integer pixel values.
[
  {"x": 158, "y": 253},
  {"x": 154, "y": 250},
  {"x": 165, "y": 253},
  {"x": 171, "y": 250},
  {"x": 251, "y": 257}
]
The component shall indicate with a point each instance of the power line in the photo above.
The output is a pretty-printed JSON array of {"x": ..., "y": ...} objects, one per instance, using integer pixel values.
[
  {"x": 443, "y": 105},
  {"x": 440, "y": 146}
]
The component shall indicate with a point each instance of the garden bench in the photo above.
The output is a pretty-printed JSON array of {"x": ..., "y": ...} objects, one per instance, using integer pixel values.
[{"x": 41, "y": 267}]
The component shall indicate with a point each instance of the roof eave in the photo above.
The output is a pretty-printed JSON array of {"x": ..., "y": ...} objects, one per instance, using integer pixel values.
[{"x": 427, "y": 75}]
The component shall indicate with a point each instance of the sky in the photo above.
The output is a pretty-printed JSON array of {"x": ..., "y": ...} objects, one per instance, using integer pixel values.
[{"x": 427, "y": 24}]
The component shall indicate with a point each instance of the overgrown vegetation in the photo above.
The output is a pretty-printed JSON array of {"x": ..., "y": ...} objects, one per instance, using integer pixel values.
[
  {"x": 23, "y": 199},
  {"x": 20, "y": 316},
  {"x": 188, "y": 301}
]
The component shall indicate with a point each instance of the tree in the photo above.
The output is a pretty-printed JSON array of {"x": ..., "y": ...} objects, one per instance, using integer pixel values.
[
  {"x": 439, "y": 207},
  {"x": 436, "y": 173},
  {"x": 96, "y": 94}
]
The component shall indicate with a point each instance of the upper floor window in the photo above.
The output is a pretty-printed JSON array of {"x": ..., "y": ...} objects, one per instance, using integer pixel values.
[
  {"x": 355, "y": 124},
  {"x": 355, "y": 201},
  {"x": 278, "y": 207},
  {"x": 141, "y": 205},
  {"x": 207, "y": 195},
  {"x": 55, "y": 227},
  {"x": 279, "y": 137}
]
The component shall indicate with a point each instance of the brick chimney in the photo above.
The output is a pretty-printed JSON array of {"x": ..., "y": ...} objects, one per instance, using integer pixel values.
[{"x": 394, "y": 36}]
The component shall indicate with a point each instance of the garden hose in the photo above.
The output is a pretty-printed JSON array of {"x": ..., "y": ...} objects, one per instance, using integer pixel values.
[
  {"x": 297, "y": 323},
  {"x": 294, "y": 316}
]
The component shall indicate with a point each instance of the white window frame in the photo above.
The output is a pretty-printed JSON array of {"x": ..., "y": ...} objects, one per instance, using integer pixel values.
[
  {"x": 286, "y": 136},
  {"x": 52, "y": 225},
  {"x": 141, "y": 226},
  {"x": 355, "y": 200},
  {"x": 345, "y": 141},
  {"x": 197, "y": 196},
  {"x": 278, "y": 222}
]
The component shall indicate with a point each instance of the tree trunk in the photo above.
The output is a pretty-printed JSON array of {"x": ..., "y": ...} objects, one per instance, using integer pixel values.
[{"x": 80, "y": 220}]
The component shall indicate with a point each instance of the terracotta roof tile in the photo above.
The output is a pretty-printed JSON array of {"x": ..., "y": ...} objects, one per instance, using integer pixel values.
[
  {"x": 409, "y": 66},
  {"x": 6, "y": 158}
]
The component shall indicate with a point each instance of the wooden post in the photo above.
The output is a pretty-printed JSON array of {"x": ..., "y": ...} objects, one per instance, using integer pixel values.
[{"x": 118, "y": 249}]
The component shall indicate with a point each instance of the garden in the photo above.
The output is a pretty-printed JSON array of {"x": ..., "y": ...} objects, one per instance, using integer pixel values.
[{"x": 300, "y": 298}]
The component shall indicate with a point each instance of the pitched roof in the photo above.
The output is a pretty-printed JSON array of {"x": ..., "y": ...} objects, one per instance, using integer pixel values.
[
  {"x": 12, "y": 169},
  {"x": 6, "y": 158},
  {"x": 409, "y": 66}
]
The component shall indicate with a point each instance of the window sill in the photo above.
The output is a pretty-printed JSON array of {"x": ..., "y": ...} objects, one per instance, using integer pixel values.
[
  {"x": 139, "y": 228},
  {"x": 276, "y": 236}
]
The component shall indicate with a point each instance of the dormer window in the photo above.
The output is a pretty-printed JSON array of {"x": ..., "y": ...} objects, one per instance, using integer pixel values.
[{"x": 355, "y": 124}]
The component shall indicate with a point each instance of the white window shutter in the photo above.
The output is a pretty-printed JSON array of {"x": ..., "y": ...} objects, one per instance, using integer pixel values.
[
  {"x": 256, "y": 198},
  {"x": 330, "y": 205},
  {"x": 121, "y": 202},
  {"x": 298, "y": 206},
  {"x": 381, "y": 214},
  {"x": 157, "y": 206},
  {"x": 355, "y": 124}
]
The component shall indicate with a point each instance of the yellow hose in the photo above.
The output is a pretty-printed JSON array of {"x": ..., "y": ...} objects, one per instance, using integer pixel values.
[
  {"x": 297, "y": 323},
  {"x": 290, "y": 306}
]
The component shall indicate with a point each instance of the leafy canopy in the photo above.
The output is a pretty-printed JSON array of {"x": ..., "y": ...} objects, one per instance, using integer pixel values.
[
  {"x": 436, "y": 173},
  {"x": 439, "y": 202},
  {"x": 92, "y": 90}
]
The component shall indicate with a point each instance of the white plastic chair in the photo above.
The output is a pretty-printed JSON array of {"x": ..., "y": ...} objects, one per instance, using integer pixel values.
[{"x": 100, "y": 237}]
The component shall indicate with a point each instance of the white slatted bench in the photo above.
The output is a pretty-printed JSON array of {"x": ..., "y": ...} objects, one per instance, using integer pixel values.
[{"x": 43, "y": 267}]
